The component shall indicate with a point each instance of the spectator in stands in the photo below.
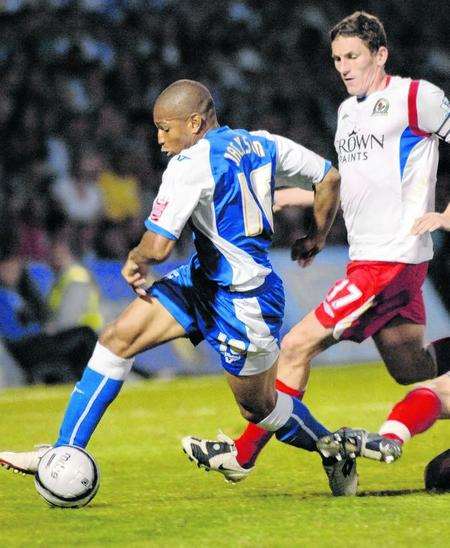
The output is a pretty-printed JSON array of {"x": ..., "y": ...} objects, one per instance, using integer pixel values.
[
  {"x": 74, "y": 299},
  {"x": 79, "y": 195},
  {"x": 120, "y": 189},
  {"x": 44, "y": 357},
  {"x": 121, "y": 197}
]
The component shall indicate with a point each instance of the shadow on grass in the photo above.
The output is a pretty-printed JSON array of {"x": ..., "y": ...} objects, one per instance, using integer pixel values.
[{"x": 391, "y": 493}]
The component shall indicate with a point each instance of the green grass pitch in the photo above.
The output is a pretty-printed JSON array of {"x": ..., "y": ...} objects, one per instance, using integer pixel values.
[{"x": 151, "y": 495}]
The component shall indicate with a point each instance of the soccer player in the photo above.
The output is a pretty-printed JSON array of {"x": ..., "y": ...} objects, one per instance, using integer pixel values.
[
  {"x": 387, "y": 140},
  {"x": 221, "y": 181}
]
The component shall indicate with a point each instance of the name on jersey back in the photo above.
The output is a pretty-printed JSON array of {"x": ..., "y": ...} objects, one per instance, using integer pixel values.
[{"x": 240, "y": 146}]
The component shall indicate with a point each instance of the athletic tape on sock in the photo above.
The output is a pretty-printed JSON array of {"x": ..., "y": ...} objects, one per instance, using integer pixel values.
[
  {"x": 280, "y": 414},
  {"x": 107, "y": 363},
  {"x": 397, "y": 428}
]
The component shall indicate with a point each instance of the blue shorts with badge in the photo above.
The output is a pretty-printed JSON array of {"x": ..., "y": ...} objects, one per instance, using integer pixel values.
[{"x": 244, "y": 327}]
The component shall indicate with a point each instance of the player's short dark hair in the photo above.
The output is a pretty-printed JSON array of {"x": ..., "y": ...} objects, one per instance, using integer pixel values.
[{"x": 363, "y": 25}]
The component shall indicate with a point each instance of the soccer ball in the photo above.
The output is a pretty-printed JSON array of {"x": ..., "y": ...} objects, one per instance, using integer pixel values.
[
  {"x": 437, "y": 473},
  {"x": 67, "y": 477}
]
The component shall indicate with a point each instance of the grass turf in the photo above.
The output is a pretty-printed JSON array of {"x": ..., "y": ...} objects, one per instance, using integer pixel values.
[{"x": 151, "y": 495}]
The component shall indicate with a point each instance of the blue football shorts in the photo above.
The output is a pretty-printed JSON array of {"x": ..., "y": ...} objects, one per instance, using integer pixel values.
[{"x": 243, "y": 327}]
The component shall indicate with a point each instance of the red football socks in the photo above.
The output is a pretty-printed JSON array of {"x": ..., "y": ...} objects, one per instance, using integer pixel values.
[
  {"x": 417, "y": 412},
  {"x": 254, "y": 438}
]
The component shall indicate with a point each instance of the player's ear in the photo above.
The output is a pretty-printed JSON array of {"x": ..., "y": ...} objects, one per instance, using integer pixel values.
[
  {"x": 195, "y": 122},
  {"x": 382, "y": 56}
]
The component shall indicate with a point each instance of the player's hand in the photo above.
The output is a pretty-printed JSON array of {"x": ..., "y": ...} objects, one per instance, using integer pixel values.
[
  {"x": 430, "y": 222},
  {"x": 136, "y": 276},
  {"x": 305, "y": 249}
]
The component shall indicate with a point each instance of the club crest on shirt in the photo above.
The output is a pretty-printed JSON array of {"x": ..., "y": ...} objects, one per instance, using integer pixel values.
[
  {"x": 381, "y": 107},
  {"x": 159, "y": 205}
]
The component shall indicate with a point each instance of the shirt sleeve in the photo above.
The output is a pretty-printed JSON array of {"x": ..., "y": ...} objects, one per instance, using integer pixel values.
[
  {"x": 295, "y": 163},
  {"x": 433, "y": 110},
  {"x": 177, "y": 197}
]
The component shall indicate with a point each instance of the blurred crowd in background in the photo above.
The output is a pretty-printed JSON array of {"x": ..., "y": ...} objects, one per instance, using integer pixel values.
[{"x": 79, "y": 159}]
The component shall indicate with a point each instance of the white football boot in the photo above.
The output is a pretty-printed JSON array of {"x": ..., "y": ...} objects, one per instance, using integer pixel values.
[
  {"x": 23, "y": 462},
  {"x": 218, "y": 455}
]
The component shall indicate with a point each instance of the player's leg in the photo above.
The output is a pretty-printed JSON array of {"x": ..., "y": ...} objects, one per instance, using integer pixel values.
[
  {"x": 347, "y": 300},
  {"x": 401, "y": 345},
  {"x": 292, "y": 423},
  {"x": 303, "y": 342},
  {"x": 395, "y": 319},
  {"x": 414, "y": 414},
  {"x": 419, "y": 410},
  {"x": 278, "y": 412},
  {"x": 145, "y": 323},
  {"x": 249, "y": 350},
  {"x": 407, "y": 357},
  {"x": 409, "y": 360}
]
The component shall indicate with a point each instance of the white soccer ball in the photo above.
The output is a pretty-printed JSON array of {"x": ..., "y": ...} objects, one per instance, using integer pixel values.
[{"x": 67, "y": 477}]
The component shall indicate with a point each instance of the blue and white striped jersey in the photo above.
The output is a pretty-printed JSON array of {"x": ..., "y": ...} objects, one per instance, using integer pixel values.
[{"x": 224, "y": 186}]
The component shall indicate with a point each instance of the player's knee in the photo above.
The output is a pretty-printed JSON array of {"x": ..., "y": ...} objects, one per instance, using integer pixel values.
[
  {"x": 111, "y": 338},
  {"x": 411, "y": 368},
  {"x": 405, "y": 380},
  {"x": 256, "y": 411},
  {"x": 410, "y": 376},
  {"x": 295, "y": 348}
]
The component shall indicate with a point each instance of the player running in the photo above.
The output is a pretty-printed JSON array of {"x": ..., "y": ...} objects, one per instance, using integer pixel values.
[
  {"x": 387, "y": 140},
  {"x": 222, "y": 182}
]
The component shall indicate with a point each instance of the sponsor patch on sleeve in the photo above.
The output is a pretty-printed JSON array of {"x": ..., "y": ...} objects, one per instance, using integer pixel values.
[{"x": 159, "y": 205}]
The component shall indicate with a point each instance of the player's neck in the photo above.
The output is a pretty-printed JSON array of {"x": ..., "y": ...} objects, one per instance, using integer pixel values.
[
  {"x": 208, "y": 127},
  {"x": 380, "y": 81}
]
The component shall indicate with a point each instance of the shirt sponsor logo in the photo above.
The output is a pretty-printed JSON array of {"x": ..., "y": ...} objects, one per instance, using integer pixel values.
[
  {"x": 357, "y": 146},
  {"x": 381, "y": 107},
  {"x": 159, "y": 205}
]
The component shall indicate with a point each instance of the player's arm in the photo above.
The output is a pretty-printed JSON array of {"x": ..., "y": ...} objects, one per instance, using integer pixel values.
[
  {"x": 433, "y": 116},
  {"x": 433, "y": 110},
  {"x": 290, "y": 197},
  {"x": 153, "y": 248},
  {"x": 326, "y": 203},
  {"x": 432, "y": 221},
  {"x": 178, "y": 196}
]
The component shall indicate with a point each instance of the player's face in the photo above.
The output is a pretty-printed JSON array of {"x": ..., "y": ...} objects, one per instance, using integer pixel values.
[
  {"x": 361, "y": 70},
  {"x": 174, "y": 134}
]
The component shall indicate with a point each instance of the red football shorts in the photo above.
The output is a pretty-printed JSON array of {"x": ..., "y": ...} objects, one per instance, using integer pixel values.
[{"x": 370, "y": 296}]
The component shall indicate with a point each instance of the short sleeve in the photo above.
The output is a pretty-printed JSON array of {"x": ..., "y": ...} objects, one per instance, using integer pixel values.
[
  {"x": 433, "y": 110},
  {"x": 177, "y": 197},
  {"x": 295, "y": 163}
]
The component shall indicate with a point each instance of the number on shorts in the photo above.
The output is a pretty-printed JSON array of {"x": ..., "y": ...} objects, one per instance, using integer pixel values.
[{"x": 353, "y": 294}]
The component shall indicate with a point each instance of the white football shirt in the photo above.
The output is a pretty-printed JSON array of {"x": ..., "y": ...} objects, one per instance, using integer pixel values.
[{"x": 387, "y": 145}]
